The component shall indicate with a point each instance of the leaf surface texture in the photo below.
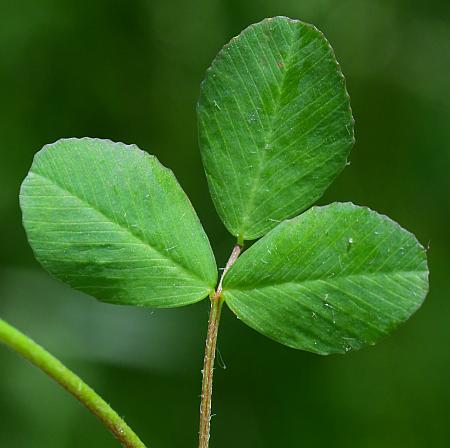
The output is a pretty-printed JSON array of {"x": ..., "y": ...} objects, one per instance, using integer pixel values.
[
  {"x": 332, "y": 280},
  {"x": 111, "y": 221},
  {"x": 275, "y": 124}
]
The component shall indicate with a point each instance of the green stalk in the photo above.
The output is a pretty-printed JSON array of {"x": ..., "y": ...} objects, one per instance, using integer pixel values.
[
  {"x": 34, "y": 353},
  {"x": 210, "y": 354}
]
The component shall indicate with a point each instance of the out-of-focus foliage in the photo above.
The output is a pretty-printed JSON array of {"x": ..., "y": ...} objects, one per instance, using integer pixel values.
[{"x": 130, "y": 71}]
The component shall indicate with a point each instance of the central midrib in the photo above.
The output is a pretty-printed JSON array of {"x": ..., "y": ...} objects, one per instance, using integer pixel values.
[
  {"x": 317, "y": 279},
  {"x": 120, "y": 225},
  {"x": 268, "y": 138}
]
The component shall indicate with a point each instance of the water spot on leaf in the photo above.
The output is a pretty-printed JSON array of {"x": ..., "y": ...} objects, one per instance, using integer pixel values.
[
  {"x": 330, "y": 307},
  {"x": 349, "y": 243},
  {"x": 252, "y": 117}
]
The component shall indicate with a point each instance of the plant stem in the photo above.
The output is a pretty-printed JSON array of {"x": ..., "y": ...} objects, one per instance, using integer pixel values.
[
  {"x": 34, "y": 353},
  {"x": 210, "y": 354}
]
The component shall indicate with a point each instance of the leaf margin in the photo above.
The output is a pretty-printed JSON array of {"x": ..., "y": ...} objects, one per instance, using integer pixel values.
[
  {"x": 156, "y": 163},
  {"x": 260, "y": 242}
]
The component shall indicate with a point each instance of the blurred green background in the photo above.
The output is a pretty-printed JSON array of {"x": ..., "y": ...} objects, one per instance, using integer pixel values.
[{"x": 130, "y": 71}]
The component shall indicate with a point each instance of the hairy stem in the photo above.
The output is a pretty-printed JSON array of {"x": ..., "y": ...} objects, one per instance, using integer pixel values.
[
  {"x": 210, "y": 354},
  {"x": 34, "y": 353}
]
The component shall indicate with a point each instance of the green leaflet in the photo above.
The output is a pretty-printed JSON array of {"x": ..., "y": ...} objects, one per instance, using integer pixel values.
[
  {"x": 329, "y": 281},
  {"x": 111, "y": 221},
  {"x": 275, "y": 124}
]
